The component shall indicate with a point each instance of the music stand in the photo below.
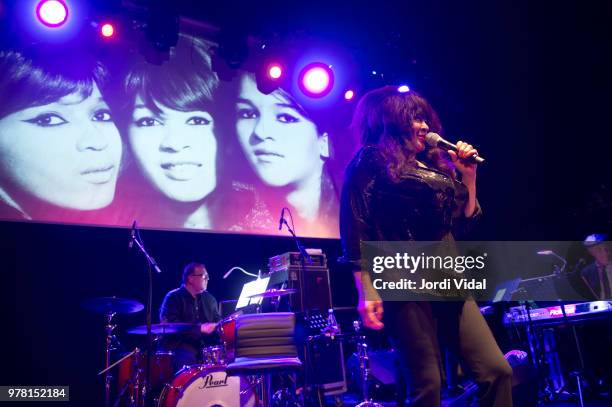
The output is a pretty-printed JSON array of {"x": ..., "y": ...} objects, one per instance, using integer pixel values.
[{"x": 251, "y": 289}]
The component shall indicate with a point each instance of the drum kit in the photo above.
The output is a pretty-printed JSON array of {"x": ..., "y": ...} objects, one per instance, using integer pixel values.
[{"x": 205, "y": 384}]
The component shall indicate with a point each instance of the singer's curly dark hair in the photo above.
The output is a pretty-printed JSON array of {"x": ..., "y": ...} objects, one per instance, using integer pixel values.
[{"x": 384, "y": 117}]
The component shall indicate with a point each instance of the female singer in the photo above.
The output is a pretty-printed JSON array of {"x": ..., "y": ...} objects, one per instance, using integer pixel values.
[{"x": 396, "y": 188}]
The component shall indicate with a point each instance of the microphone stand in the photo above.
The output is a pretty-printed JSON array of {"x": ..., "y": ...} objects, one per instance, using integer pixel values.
[
  {"x": 151, "y": 264},
  {"x": 303, "y": 253},
  {"x": 304, "y": 256}
]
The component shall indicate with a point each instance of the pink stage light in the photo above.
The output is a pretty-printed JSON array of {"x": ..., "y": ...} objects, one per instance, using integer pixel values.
[
  {"x": 349, "y": 94},
  {"x": 52, "y": 13},
  {"x": 316, "y": 79},
  {"x": 107, "y": 30},
  {"x": 275, "y": 71}
]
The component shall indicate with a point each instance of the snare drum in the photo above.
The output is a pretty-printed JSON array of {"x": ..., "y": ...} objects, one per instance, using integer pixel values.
[
  {"x": 213, "y": 356},
  {"x": 200, "y": 386}
]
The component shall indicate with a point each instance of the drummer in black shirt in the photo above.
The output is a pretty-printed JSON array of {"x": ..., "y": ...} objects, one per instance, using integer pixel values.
[{"x": 191, "y": 303}]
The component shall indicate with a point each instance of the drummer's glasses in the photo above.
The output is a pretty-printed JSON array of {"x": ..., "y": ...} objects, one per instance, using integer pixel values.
[{"x": 204, "y": 276}]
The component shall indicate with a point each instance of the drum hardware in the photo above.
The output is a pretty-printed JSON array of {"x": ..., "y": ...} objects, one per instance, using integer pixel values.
[
  {"x": 109, "y": 346},
  {"x": 165, "y": 328},
  {"x": 131, "y": 376},
  {"x": 286, "y": 395},
  {"x": 231, "y": 316},
  {"x": 109, "y": 307},
  {"x": 362, "y": 352},
  {"x": 253, "y": 381},
  {"x": 136, "y": 350},
  {"x": 213, "y": 356},
  {"x": 274, "y": 293},
  {"x": 114, "y": 305}
]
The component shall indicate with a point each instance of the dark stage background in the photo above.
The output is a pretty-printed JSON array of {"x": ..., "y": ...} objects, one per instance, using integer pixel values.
[{"x": 527, "y": 83}]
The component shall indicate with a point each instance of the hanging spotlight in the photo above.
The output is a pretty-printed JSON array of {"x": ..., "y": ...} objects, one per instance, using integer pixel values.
[
  {"x": 275, "y": 71},
  {"x": 52, "y": 13},
  {"x": 349, "y": 95},
  {"x": 403, "y": 89},
  {"x": 269, "y": 76},
  {"x": 107, "y": 30},
  {"x": 316, "y": 79},
  {"x": 232, "y": 51}
]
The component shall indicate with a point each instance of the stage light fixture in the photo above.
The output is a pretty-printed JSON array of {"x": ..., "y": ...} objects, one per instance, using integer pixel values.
[
  {"x": 269, "y": 76},
  {"x": 275, "y": 71},
  {"x": 316, "y": 79},
  {"x": 403, "y": 89},
  {"x": 52, "y": 13},
  {"x": 107, "y": 30},
  {"x": 349, "y": 95}
]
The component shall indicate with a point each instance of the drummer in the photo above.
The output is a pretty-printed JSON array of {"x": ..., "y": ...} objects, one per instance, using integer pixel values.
[{"x": 191, "y": 303}]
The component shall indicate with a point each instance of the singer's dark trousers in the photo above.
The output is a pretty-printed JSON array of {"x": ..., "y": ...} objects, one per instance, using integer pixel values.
[{"x": 417, "y": 328}]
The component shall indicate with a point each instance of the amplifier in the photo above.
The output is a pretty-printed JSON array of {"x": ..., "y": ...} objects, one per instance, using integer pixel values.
[
  {"x": 324, "y": 365},
  {"x": 310, "y": 281},
  {"x": 317, "y": 259}
]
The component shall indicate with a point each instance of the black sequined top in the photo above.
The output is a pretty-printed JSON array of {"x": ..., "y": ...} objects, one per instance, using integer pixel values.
[{"x": 424, "y": 204}]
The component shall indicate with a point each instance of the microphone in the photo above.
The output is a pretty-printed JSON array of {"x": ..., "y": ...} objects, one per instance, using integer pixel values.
[
  {"x": 155, "y": 266},
  {"x": 282, "y": 218},
  {"x": 435, "y": 140},
  {"x": 132, "y": 235}
]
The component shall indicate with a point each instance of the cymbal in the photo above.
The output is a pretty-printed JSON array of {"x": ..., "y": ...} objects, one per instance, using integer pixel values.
[
  {"x": 111, "y": 305},
  {"x": 164, "y": 328},
  {"x": 231, "y": 317},
  {"x": 274, "y": 293}
]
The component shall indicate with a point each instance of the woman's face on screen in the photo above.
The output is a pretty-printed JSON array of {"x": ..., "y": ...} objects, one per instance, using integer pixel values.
[
  {"x": 66, "y": 153},
  {"x": 282, "y": 146},
  {"x": 175, "y": 150}
]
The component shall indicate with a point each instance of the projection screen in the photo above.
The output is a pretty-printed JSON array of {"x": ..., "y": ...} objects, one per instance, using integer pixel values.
[{"x": 108, "y": 138}]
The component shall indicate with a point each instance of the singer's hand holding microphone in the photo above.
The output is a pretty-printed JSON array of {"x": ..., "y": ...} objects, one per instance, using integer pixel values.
[{"x": 464, "y": 156}]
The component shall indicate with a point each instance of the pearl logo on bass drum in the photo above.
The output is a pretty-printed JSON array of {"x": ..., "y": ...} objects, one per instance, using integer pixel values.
[{"x": 210, "y": 382}]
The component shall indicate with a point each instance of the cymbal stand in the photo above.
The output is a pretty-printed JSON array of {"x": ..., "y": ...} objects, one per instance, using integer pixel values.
[
  {"x": 364, "y": 367},
  {"x": 134, "y": 380},
  {"x": 136, "y": 350},
  {"x": 110, "y": 340}
]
